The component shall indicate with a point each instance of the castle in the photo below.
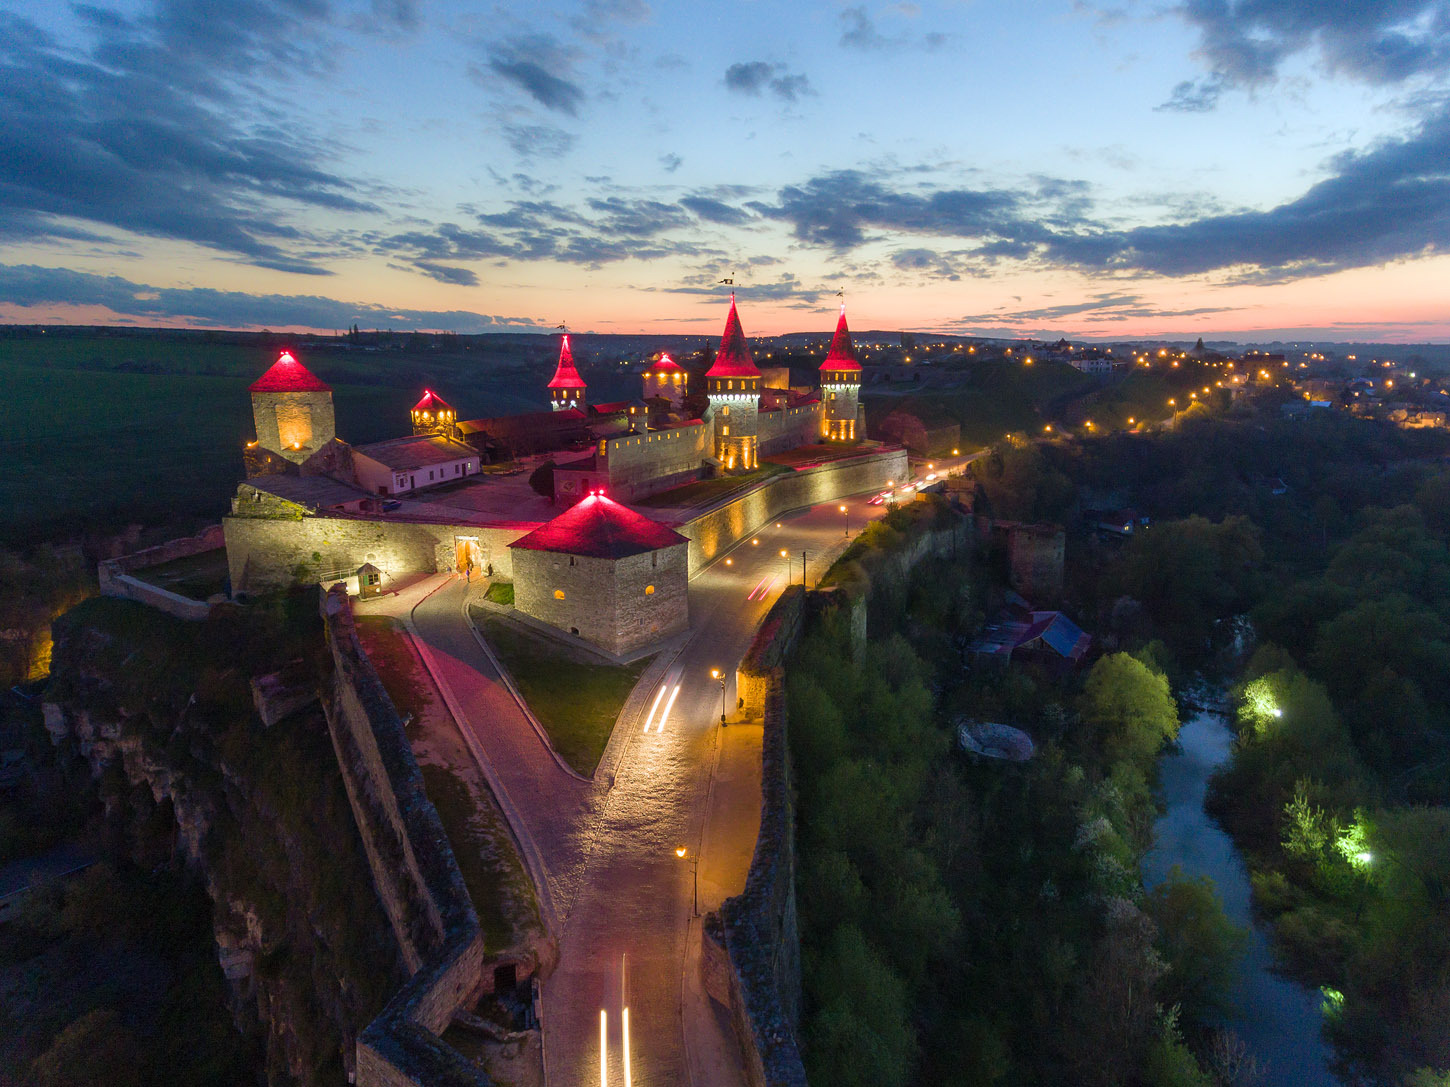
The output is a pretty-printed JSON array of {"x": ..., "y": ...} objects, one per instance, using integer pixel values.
[{"x": 315, "y": 509}]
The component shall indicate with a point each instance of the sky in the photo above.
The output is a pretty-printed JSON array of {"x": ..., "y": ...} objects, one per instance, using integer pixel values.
[{"x": 1233, "y": 169}]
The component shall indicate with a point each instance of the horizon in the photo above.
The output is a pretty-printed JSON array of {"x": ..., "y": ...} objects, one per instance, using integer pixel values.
[{"x": 1243, "y": 173}]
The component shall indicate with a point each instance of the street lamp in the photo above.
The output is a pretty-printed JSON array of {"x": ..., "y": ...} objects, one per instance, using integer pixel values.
[
  {"x": 682, "y": 853},
  {"x": 847, "y": 512},
  {"x": 719, "y": 676}
]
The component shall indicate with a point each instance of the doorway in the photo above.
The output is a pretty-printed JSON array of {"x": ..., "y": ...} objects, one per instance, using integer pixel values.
[{"x": 467, "y": 555}]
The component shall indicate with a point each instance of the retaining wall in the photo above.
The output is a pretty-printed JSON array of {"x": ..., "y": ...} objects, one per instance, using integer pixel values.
[
  {"x": 114, "y": 575},
  {"x": 717, "y": 530},
  {"x": 414, "y": 871},
  {"x": 751, "y": 956}
]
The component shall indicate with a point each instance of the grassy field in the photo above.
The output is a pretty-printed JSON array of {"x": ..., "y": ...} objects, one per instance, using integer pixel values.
[
  {"x": 578, "y": 715},
  {"x": 90, "y": 451}
]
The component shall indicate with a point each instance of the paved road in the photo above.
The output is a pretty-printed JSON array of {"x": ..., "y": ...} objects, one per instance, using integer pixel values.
[{"x": 622, "y": 900}]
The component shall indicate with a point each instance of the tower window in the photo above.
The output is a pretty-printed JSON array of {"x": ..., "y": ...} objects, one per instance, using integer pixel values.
[
  {"x": 649, "y": 590},
  {"x": 725, "y": 410},
  {"x": 558, "y": 594}
]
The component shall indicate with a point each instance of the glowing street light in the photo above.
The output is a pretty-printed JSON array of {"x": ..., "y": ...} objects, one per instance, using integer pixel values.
[
  {"x": 683, "y": 854},
  {"x": 847, "y": 513},
  {"x": 719, "y": 677}
]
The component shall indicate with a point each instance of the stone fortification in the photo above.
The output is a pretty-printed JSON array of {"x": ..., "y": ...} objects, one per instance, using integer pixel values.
[
  {"x": 266, "y": 554},
  {"x": 634, "y": 466},
  {"x": 114, "y": 575},
  {"x": 751, "y": 957},
  {"x": 414, "y": 871},
  {"x": 716, "y": 531},
  {"x": 785, "y": 428}
]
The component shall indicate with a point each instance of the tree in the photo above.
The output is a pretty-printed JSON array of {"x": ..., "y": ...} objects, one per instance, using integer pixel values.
[
  {"x": 542, "y": 480},
  {"x": 1128, "y": 710},
  {"x": 1201, "y": 946}
]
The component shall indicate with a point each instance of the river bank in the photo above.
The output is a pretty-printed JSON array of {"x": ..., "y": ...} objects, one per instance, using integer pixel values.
[{"x": 1278, "y": 1020}]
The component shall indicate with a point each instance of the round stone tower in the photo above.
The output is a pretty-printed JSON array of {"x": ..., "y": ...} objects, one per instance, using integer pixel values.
[
  {"x": 292, "y": 410},
  {"x": 840, "y": 386},
  {"x": 566, "y": 387},
  {"x": 733, "y": 385}
]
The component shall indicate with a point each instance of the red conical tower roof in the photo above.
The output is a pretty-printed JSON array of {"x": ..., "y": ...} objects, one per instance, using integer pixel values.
[
  {"x": 287, "y": 375},
  {"x": 842, "y": 355},
  {"x": 565, "y": 376},
  {"x": 666, "y": 363},
  {"x": 733, "y": 358},
  {"x": 432, "y": 402}
]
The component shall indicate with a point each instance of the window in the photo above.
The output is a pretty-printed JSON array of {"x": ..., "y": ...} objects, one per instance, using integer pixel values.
[
  {"x": 572, "y": 561},
  {"x": 654, "y": 560},
  {"x": 726, "y": 432},
  {"x": 649, "y": 590},
  {"x": 725, "y": 410},
  {"x": 558, "y": 594}
]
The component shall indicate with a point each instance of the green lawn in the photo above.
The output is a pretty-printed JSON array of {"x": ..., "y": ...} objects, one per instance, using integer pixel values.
[
  {"x": 501, "y": 592},
  {"x": 195, "y": 576},
  {"x": 576, "y": 701}
]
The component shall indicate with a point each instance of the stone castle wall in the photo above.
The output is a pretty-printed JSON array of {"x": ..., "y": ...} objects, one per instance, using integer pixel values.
[
  {"x": 267, "y": 554},
  {"x": 786, "y": 428},
  {"x": 414, "y": 871},
  {"x": 605, "y": 601},
  {"x": 637, "y": 465},
  {"x": 114, "y": 575},
  {"x": 716, "y": 531}
]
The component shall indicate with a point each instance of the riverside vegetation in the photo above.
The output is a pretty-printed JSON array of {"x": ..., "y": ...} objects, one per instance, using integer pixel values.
[{"x": 976, "y": 924}]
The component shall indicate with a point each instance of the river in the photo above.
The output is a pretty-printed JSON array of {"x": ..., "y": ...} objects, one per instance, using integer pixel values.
[{"x": 1278, "y": 1019}]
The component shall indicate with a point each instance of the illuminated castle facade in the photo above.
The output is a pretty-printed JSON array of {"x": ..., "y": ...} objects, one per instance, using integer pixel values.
[{"x": 841, "y": 386}]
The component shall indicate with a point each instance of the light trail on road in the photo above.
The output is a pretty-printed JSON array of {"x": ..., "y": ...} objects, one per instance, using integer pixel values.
[
  {"x": 603, "y": 1048},
  {"x": 668, "y": 706},
  {"x": 654, "y": 706}
]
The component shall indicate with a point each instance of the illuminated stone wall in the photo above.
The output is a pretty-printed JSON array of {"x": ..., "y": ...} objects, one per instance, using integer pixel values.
[
  {"x": 715, "y": 532},
  {"x": 787, "y": 428},
  {"x": 294, "y": 425},
  {"x": 633, "y": 466},
  {"x": 265, "y": 553},
  {"x": 606, "y": 602}
]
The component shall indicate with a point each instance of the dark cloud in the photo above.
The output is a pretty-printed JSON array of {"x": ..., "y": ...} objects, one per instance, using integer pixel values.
[
  {"x": 1193, "y": 97},
  {"x": 28, "y": 285},
  {"x": 671, "y": 162},
  {"x": 757, "y": 76},
  {"x": 447, "y": 273},
  {"x": 539, "y": 141},
  {"x": 715, "y": 211},
  {"x": 786, "y": 288},
  {"x": 1244, "y": 42},
  {"x": 1100, "y": 308},
  {"x": 154, "y": 130},
  {"x": 530, "y": 63},
  {"x": 927, "y": 262},
  {"x": 401, "y": 14},
  {"x": 637, "y": 218}
]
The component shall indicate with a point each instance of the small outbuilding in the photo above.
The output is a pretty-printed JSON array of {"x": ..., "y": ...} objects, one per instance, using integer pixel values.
[{"x": 605, "y": 573}]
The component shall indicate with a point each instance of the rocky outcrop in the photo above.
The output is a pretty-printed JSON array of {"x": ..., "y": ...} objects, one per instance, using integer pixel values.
[{"x": 163, "y": 712}]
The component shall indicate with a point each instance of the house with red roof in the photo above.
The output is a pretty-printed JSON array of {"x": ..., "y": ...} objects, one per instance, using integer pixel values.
[{"x": 606, "y": 574}]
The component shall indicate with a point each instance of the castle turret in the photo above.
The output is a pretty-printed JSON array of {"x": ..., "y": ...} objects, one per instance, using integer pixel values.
[
  {"x": 840, "y": 385},
  {"x": 566, "y": 387},
  {"x": 292, "y": 410},
  {"x": 668, "y": 380},
  {"x": 433, "y": 415},
  {"x": 733, "y": 385}
]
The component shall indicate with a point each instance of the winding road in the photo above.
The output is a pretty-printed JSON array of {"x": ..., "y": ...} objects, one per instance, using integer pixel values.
[{"x": 607, "y": 855}]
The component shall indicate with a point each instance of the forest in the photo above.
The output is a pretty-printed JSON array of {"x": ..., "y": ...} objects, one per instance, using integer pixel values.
[{"x": 973, "y": 923}]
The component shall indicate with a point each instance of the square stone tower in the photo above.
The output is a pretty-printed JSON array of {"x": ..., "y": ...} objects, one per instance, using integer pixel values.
[{"x": 292, "y": 410}]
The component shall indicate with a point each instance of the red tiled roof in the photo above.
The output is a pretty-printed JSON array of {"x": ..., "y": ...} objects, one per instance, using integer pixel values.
[
  {"x": 287, "y": 375},
  {"x": 565, "y": 376},
  {"x": 733, "y": 358},
  {"x": 432, "y": 402},
  {"x": 666, "y": 363},
  {"x": 842, "y": 355},
  {"x": 599, "y": 527}
]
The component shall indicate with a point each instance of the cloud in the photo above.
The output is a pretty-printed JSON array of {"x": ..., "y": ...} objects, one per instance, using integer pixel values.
[
  {"x": 148, "y": 131},
  {"x": 525, "y": 62},
  {"x": 29, "y": 285},
  {"x": 1193, "y": 97},
  {"x": 715, "y": 211},
  {"x": 445, "y": 273},
  {"x": 859, "y": 32},
  {"x": 671, "y": 162},
  {"x": 1244, "y": 42},
  {"x": 400, "y": 14},
  {"x": 756, "y": 76},
  {"x": 927, "y": 262},
  {"x": 786, "y": 288},
  {"x": 539, "y": 141},
  {"x": 1100, "y": 308}
]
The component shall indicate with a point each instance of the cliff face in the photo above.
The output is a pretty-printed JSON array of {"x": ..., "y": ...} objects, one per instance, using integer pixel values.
[{"x": 162, "y": 710}]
